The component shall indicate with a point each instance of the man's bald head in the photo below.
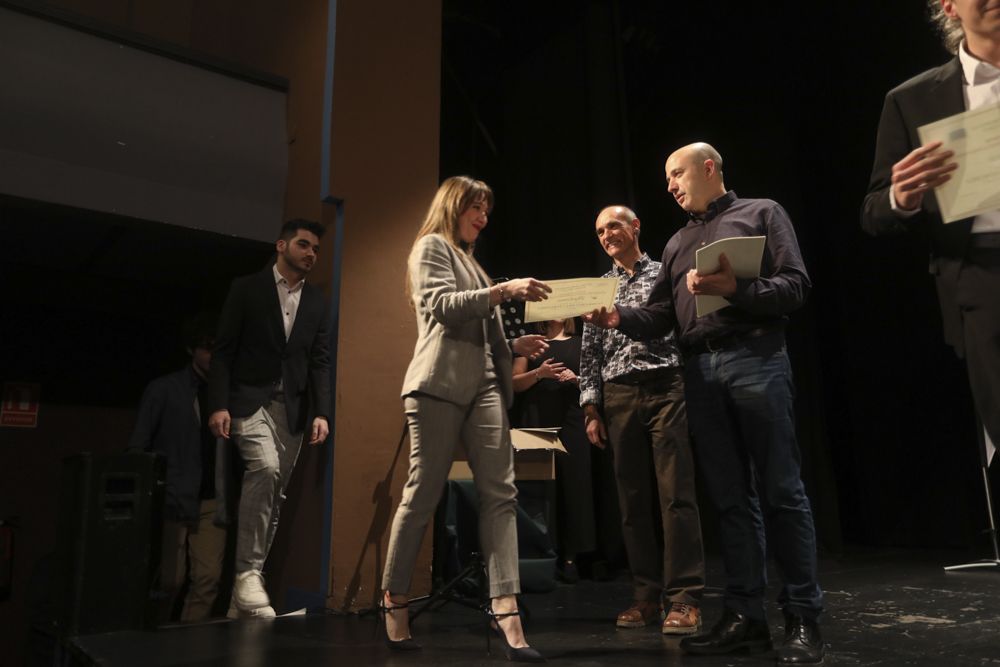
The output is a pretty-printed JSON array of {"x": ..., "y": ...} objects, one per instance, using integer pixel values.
[
  {"x": 617, "y": 229},
  {"x": 694, "y": 176},
  {"x": 619, "y": 212},
  {"x": 703, "y": 151}
]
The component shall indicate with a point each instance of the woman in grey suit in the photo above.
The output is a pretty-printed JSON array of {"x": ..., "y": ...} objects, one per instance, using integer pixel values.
[{"x": 457, "y": 390}]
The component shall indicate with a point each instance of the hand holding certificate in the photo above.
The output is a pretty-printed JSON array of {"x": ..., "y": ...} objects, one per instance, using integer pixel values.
[
  {"x": 573, "y": 297},
  {"x": 974, "y": 139},
  {"x": 744, "y": 254}
]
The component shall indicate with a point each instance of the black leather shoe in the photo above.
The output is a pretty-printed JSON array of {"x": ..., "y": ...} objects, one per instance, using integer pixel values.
[
  {"x": 803, "y": 644},
  {"x": 733, "y": 632}
]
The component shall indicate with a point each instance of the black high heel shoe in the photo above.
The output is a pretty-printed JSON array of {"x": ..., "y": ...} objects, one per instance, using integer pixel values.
[
  {"x": 395, "y": 644},
  {"x": 523, "y": 654}
]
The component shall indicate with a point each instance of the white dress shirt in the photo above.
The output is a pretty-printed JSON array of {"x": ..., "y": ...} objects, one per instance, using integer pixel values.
[
  {"x": 288, "y": 299},
  {"x": 981, "y": 87}
]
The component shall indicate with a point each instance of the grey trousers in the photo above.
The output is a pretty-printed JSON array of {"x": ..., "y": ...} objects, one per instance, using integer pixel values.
[
  {"x": 269, "y": 450},
  {"x": 437, "y": 427}
]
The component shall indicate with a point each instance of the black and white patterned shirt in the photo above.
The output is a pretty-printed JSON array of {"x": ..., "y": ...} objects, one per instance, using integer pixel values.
[{"x": 608, "y": 354}]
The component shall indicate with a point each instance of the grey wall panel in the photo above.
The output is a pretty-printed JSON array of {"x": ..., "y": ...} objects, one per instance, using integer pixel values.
[{"x": 91, "y": 123}]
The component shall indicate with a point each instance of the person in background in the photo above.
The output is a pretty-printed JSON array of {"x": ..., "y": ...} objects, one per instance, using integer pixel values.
[
  {"x": 550, "y": 397},
  {"x": 172, "y": 421}
]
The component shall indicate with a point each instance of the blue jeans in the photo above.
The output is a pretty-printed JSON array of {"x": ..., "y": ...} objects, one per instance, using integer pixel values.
[{"x": 740, "y": 414}]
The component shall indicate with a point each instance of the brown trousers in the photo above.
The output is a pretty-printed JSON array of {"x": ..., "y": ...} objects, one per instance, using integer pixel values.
[
  {"x": 193, "y": 553},
  {"x": 648, "y": 433}
]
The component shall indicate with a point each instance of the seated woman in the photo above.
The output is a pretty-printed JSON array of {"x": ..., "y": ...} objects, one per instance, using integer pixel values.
[
  {"x": 457, "y": 389},
  {"x": 551, "y": 397}
]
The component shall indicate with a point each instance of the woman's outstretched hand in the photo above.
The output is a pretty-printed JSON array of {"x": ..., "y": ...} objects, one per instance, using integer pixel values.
[
  {"x": 530, "y": 347},
  {"x": 526, "y": 289}
]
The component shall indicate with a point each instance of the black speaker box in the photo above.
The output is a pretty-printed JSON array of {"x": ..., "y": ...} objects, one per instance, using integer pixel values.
[{"x": 110, "y": 526}]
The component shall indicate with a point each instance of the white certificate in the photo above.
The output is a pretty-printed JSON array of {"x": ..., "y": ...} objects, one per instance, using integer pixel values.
[
  {"x": 744, "y": 254},
  {"x": 573, "y": 297},
  {"x": 974, "y": 187}
]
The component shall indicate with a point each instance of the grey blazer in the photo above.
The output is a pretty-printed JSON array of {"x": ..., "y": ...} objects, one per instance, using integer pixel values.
[{"x": 454, "y": 319}]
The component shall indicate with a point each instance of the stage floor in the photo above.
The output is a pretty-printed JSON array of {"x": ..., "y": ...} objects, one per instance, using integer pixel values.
[{"x": 884, "y": 608}]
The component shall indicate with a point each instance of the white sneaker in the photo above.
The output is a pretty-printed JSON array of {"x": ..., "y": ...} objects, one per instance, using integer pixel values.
[
  {"x": 248, "y": 591},
  {"x": 259, "y": 613}
]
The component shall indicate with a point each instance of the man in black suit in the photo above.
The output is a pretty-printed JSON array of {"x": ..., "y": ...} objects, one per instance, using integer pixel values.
[
  {"x": 965, "y": 255},
  {"x": 270, "y": 374}
]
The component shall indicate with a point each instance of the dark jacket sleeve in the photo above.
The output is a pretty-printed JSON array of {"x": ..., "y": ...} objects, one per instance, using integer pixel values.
[
  {"x": 891, "y": 145},
  {"x": 227, "y": 340},
  {"x": 148, "y": 418},
  {"x": 319, "y": 368}
]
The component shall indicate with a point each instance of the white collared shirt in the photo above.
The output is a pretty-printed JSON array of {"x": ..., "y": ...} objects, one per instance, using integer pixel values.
[
  {"x": 288, "y": 299},
  {"x": 981, "y": 87}
]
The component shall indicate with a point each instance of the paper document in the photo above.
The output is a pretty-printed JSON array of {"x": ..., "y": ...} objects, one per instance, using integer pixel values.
[
  {"x": 744, "y": 254},
  {"x": 974, "y": 187},
  {"x": 573, "y": 297},
  {"x": 991, "y": 448}
]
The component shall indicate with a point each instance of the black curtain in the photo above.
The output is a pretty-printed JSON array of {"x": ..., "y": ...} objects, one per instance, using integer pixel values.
[{"x": 566, "y": 107}]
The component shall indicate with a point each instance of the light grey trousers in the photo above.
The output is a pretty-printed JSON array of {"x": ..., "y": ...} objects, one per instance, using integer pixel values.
[
  {"x": 437, "y": 427},
  {"x": 269, "y": 450}
]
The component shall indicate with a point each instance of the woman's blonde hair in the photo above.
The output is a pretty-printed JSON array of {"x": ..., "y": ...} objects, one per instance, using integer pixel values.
[{"x": 453, "y": 198}]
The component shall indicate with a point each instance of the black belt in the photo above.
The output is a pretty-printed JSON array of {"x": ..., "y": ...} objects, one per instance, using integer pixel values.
[
  {"x": 643, "y": 377},
  {"x": 985, "y": 240},
  {"x": 730, "y": 340}
]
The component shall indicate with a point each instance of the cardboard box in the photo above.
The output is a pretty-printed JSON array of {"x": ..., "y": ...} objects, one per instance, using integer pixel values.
[{"x": 534, "y": 455}]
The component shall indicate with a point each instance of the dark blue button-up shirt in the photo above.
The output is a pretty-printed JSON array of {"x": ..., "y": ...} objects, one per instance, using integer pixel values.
[{"x": 758, "y": 302}]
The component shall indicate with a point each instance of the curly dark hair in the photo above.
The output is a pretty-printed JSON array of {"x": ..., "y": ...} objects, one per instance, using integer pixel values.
[
  {"x": 950, "y": 29},
  {"x": 198, "y": 330}
]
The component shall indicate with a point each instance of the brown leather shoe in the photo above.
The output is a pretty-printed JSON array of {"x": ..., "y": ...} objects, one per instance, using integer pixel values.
[
  {"x": 640, "y": 614},
  {"x": 683, "y": 619}
]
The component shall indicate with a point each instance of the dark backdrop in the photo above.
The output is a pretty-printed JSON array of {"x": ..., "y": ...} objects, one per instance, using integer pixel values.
[{"x": 565, "y": 107}]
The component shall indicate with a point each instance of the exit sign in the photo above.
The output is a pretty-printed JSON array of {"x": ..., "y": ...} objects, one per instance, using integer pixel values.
[{"x": 20, "y": 404}]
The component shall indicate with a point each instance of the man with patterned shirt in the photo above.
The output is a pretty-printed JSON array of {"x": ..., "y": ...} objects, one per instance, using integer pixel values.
[{"x": 632, "y": 394}]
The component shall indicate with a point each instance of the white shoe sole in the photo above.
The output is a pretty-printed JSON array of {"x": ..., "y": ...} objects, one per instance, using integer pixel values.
[
  {"x": 254, "y": 598},
  {"x": 261, "y": 613}
]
